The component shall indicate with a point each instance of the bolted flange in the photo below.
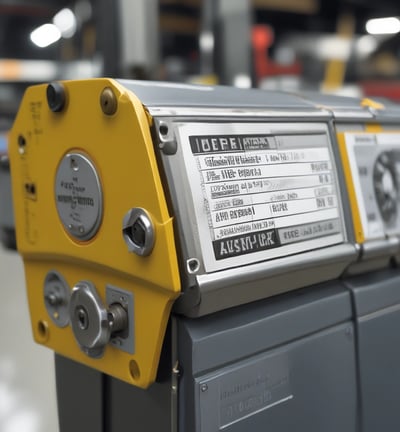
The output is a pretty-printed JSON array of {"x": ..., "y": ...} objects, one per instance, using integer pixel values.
[{"x": 92, "y": 323}]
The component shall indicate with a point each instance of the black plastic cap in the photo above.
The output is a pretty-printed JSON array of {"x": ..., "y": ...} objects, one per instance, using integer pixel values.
[{"x": 55, "y": 93}]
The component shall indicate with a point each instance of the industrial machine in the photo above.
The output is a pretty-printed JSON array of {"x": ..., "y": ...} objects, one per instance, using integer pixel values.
[
  {"x": 368, "y": 137},
  {"x": 209, "y": 258}
]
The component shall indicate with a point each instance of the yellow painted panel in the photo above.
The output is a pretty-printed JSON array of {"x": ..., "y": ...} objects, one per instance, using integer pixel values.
[
  {"x": 121, "y": 149},
  {"x": 358, "y": 230}
]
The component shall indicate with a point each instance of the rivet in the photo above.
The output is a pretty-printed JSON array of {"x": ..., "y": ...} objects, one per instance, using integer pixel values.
[{"x": 108, "y": 101}]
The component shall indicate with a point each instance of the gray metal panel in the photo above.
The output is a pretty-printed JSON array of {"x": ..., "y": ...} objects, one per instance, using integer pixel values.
[
  {"x": 80, "y": 396},
  {"x": 310, "y": 382},
  {"x": 377, "y": 304},
  {"x": 159, "y": 94},
  {"x": 390, "y": 114},
  {"x": 343, "y": 108},
  {"x": 379, "y": 359},
  {"x": 132, "y": 408},
  {"x": 332, "y": 101},
  {"x": 284, "y": 364},
  {"x": 228, "y": 288},
  {"x": 375, "y": 291}
]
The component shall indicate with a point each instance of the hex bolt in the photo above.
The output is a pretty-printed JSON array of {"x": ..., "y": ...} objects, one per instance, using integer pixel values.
[
  {"x": 55, "y": 93},
  {"x": 138, "y": 231},
  {"x": 108, "y": 101}
]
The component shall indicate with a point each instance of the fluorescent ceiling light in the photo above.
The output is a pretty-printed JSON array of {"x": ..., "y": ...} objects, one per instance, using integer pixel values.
[
  {"x": 65, "y": 21},
  {"x": 390, "y": 25},
  {"x": 206, "y": 41},
  {"x": 45, "y": 35}
]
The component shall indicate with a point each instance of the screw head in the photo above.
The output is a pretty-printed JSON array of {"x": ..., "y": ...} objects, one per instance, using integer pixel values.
[{"x": 108, "y": 101}]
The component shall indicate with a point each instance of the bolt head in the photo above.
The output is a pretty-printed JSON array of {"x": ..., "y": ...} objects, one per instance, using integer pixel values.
[
  {"x": 138, "y": 232},
  {"x": 108, "y": 101}
]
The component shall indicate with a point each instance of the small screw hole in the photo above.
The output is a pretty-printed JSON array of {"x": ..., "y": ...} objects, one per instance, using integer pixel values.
[
  {"x": 164, "y": 129},
  {"x": 43, "y": 330},
  {"x": 74, "y": 164},
  {"x": 30, "y": 188},
  {"x": 193, "y": 265},
  {"x": 21, "y": 141}
]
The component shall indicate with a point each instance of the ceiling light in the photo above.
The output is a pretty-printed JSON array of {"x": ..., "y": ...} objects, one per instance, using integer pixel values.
[
  {"x": 65, "y": 21},
  {"x": 45, "y": 35},
  {"x": 390, "y": 25}
]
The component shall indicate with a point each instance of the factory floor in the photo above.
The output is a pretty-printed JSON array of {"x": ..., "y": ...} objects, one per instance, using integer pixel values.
[{"x": 27, "y": 384}]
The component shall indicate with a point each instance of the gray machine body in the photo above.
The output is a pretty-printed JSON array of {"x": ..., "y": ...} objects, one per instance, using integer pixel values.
[
  {"x": 323, "y": 358},
  {"x": 376, "y": 300},
  {"x": 284, "y": 364},
  {"x": 288, "y": 341}
]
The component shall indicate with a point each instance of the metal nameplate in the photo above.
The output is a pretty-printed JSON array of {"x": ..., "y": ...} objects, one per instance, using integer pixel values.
[
  {"x": 260, "y": 191},
  {"x": 374, "y": 160},
  {"x": 240, "y": 391},
  {"x": 78, "y": 196}
]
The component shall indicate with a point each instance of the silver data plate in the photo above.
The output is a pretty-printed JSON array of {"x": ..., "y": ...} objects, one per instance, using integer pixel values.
[
  {"x": 78, "y": 196},
  {"x": 257, "y": 191}
]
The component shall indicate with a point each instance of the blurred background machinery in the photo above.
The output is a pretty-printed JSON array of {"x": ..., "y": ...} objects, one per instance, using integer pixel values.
[
  {"x": 334, "y": 46},
  {"x": 343, "y": 46}
]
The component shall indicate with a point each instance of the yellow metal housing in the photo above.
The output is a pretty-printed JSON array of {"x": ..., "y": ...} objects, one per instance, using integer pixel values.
[{"x": 121, "y": 149}]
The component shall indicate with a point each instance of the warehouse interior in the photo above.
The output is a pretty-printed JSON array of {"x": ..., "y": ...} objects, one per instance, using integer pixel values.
[{"x": 338, "y": 47}]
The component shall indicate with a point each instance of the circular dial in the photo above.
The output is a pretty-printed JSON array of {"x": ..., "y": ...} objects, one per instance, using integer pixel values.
[{"x": 386, "y": 186}]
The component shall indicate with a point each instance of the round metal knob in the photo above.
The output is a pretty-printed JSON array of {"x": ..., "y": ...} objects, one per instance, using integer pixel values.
[{"x": 92, "y": 324}]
